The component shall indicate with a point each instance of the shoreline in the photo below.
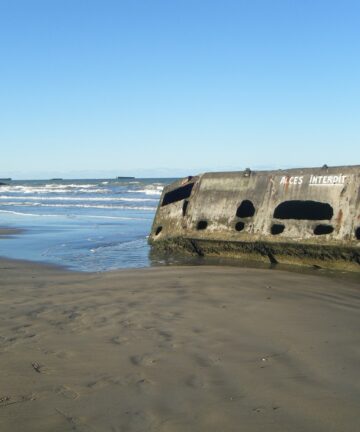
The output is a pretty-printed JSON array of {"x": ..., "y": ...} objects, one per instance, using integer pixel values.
[
  {"x": 155, "y": 259},
  {"x": 8, "y": 232},
  {"x": 171, "y": 348},
  {"x": 324, "y": 273}
]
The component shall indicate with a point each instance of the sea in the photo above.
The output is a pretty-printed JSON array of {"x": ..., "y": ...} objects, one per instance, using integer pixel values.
[
  {"x": 92, "y": 225},
  {"x": 84, "y": 225}
]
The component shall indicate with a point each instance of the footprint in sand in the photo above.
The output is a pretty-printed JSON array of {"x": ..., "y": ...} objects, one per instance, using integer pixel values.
[
  {"x": 29, "y": 336},
  {"x": 99, "y": 382},
  {"x": 126, "y": 323},
  {"x": 76, "y": 423},
  {"x": 20, "y": 328},
  {"x": 67, "y": 392},
  {"x": 22, "y": 334},
  {"x": 8, "y": 341},
  {"x": 136, "y": 379},
  {"x": 143, "y": 360},
  {"x": 262, "y": 409},
  {"x": 209, "y": 361},
  {"x": 258, "y": 410},
  {"x": 165, "y": 334},
  {"x": 119, "y": 340},
  {"x": 104, "y": 381},
  {"x": 63, "y": 355},
  {"x": 11, "y": 400},
  {"x": 166, "y": 341},
  {"x": 195, "y": 382}
]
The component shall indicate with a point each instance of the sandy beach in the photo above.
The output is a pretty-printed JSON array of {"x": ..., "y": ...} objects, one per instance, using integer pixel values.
[{"x": 177, "y": 349}]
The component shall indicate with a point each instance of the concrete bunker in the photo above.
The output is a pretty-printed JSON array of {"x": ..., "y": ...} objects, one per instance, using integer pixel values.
[{"x": 285, "y": 216}]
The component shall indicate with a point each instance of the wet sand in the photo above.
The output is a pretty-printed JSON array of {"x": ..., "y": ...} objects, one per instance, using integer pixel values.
[
  {"x": 4, "y": 232},
  {"x": 178, "y": 349}
]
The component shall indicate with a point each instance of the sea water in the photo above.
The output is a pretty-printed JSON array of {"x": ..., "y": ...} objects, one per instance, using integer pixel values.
[{"x": 86, "y": 225}]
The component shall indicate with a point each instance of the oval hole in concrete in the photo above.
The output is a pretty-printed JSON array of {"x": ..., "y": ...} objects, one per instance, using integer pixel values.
[
  {"x": 277, "y": 229},
  {"x": 201, "y": 225},
  {"x": 357, "y": 233},
  {"x": 239, "y": 226},
  {"x": 245, "y": 209},
  {"x": 158, "y": 230},
  {"x": 303, "y": 210},
  {"x": 184, "y": 207},
  {"x": 178, "y": 194},
  {"x": 323, "y": 229}
]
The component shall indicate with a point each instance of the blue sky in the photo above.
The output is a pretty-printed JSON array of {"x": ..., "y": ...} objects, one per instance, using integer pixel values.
[{"x": 102, "y": 88}]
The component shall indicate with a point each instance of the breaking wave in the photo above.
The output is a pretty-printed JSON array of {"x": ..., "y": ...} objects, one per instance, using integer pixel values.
[
  {"x": 63, "y": 220},
  {"x": 61, "y": 215},
  {"x": 95, "y": 206},
  {"x": 67, "y": 198}
]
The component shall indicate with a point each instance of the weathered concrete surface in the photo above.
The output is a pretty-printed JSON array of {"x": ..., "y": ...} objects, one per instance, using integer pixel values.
[{"x": 303, "y": 216}]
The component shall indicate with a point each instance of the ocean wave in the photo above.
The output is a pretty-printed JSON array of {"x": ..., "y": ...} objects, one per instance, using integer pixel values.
[
  {"x": 60, "y": 189},
  {"x": 97, "y": 206},
  {"x": 147, "y": 191},
  {"x": 114, "y": 217},
  {"x": 70, "y": 185},
  {"x": 62, "y": 215},
  {"x": 57, "y": 198},
  {"x": 28, "y": 214},
  {"x": 137, "y": 243}
]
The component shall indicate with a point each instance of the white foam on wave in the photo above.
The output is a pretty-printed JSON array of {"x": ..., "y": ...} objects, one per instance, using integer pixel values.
[
  {"x": 137, "y": 243},
  {"x": 28, "y": 214},
  {"x": 115, "y": 217},
  {"x": 151, "y": 189},
  {"x": 67, "y": 198},
  {"x": 58, "y": 189},
  {"x": 147, "y": 191},
  {"x": 61, "y": 216},
  {"x": 70, "y": 185},
  {"x": 97, "y": 206}
]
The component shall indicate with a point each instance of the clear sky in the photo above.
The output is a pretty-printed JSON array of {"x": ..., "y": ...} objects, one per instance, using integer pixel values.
[{"x": 174, "y": 87}]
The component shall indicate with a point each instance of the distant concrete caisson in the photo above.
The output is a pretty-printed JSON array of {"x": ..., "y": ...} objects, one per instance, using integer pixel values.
[{"x": 307, "y": 216}]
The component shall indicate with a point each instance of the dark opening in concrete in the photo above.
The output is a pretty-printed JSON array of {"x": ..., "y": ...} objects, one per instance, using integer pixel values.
[
  {"x": 303, "y": 210},
  {"x": 246, "y": 209},
  {"x": 201, "y": 225},
  {"x": 277, "y": 229},
  {"x": 357, "y": 233},
  {"x": 239, "y": 226},
  {"x": 178, "y": 194},
  {"x": 184, "y": 207},
  {"x": 158, "y": 230},
  {"x": 323, "y": 229}
]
